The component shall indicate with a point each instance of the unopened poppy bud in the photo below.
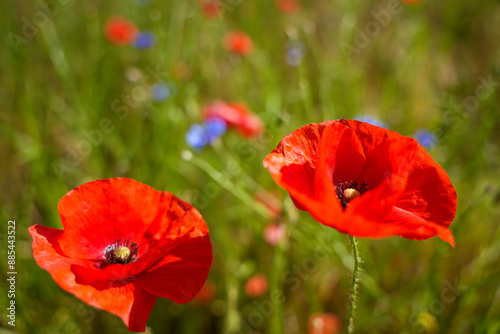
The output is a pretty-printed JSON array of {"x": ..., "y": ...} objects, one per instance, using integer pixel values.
[
  {"x": 350, "y": 194},
  {"x": 122, "y": 253}
]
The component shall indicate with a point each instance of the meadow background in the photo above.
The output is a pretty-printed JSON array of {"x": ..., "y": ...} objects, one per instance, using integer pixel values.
[{"x": 432, "y": 65}]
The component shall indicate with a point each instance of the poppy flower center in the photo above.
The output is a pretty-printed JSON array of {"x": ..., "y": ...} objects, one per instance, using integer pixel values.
[
  {"x": 349, "y": 194},
  {"x": 121, "y": 251},
  {"x": 347, "y": 191}
]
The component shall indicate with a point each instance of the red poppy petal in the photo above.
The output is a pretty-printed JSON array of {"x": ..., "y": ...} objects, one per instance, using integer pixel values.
[
  {"x": 298, "y": 177},
  {"x": 293, "y": 166},
  {"x": 297, "y": 204},
  {"x": 298, "y": 148},
  {"x": 288, "y": 164},
  {"x": 412, "y": 226},
  {"x": 369, "y": 135},
  {"x": 140, "y": 311},
  {"x": 324, "y": 189},
  {"x": 119, "y": 300},
  {"x": 419, "y": 206},
  {"x": 390, "y": 164},
  {"x": 429, "y": 197},
  {"x": 292, "y": 160},
  {"x": 223, "y": 110},
  {"x": 325, "y": 209},
  {"x": 341, "y": 156},
  {"x": 115, "y": 275},
  {"x": 98, "y": 213},
  {"x": 181, "y": 280},
  {"x": 400, "y": 181},
  {"x": 247, "y": 123},
  {"x": 185, "y": 225},
  {"x": 429, "y": 193},
  {"x": 347, "y": 157},
  {"x": 386, "y": 172},
  {"x": 250, "y": 126}
]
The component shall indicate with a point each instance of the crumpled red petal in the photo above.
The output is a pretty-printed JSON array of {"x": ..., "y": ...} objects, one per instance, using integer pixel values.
[
  {"x": 180, "y": 280},
  {"x": 97, "y": 213}
]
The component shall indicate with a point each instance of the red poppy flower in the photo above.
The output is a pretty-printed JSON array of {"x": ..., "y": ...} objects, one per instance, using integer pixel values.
[
  {"x": 121, "y": 31},
  {"x": 365, "y": 180},
  {"x": 256, "y": 285},
  {"x": 324, "y": 323},
  {"x": 236, "y": 115},
  {"x": 288, "y": 6},
  {"x": 239, "y": 42},
  {"x": 123, "y": 244},
  {"x": 211, "y": 8}
]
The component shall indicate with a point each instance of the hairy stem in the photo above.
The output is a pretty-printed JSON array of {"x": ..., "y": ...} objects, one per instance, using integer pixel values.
[{"x": 354, "y": 285}]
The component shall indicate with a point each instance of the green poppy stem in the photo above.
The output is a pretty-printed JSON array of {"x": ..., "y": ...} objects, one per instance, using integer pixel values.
[{"x": 354, "y": 285}]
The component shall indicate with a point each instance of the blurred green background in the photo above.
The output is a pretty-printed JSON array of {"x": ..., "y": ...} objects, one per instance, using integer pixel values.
[{"x": 432, "y": 64}]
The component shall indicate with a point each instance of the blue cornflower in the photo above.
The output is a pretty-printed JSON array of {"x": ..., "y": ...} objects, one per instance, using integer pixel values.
[
  {"x": 425, "y": 138},
  {"x": 371, "y": 120},
  {"x": 144, "y": 40},
  {"x": 196, "y": 136},
  {"x": 160, "y": 91},
  {"x": 200, "y": 135},
  {"x": 215, "y": 127}
]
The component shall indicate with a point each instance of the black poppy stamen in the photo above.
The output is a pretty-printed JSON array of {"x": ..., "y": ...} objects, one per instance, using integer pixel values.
[
  {"x": 121, "y": 251},
  {"x": 347, "y": 191}
]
